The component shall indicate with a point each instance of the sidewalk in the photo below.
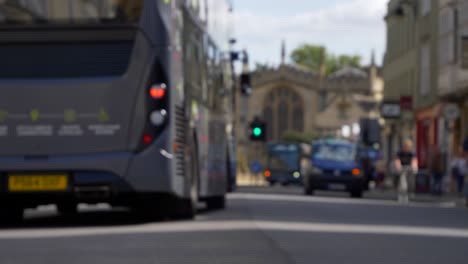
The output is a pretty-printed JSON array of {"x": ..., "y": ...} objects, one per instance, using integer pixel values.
[
  {"x": 450, "y": 199},
  {"x": 447, "y": 198}
]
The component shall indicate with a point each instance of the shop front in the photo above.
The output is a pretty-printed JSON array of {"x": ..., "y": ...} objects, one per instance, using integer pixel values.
[
  {"x": 428, "y": 124},
  {"x": 429, "y": 133}
]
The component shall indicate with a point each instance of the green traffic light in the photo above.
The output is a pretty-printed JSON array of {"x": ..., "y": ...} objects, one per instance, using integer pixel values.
[{"x": 257, "y": 131}]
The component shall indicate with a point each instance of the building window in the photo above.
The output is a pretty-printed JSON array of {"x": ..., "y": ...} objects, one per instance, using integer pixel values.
[
  {"x": 298, "y": 119},
  {"x": 446, "y": 50},
  {"x": 283, "y": 118},
  {"x": 447, "y": 37},
  {"x": 295, "y": 97},
  {"x": 268, "y": 118},
  {"x": 283, "y": 111},
  {"x": 272, "y": 97},
  {"x": 424, "y": 81},
  {"x": 322, "y": 101},
  {"x": 425, "y": 6}
]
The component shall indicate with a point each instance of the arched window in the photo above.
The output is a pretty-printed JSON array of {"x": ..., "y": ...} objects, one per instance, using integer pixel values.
[
  {"x": 298, "y": 119},
  {"x": 283, "y": 111},
  {"x": 283, "y": 118},
  {"x": 271, "y": 97},
  {"x": 268, "y": 118}
]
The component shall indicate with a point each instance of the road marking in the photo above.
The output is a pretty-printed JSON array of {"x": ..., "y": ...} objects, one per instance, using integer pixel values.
[
  {"x": 229, "y": 226},
  {"x": 333, "y": 200}
]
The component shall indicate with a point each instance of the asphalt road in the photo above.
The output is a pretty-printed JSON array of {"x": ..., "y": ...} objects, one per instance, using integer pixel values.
[{"x": 260, "y": 225}]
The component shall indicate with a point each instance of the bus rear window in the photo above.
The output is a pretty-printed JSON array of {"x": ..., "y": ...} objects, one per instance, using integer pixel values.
[
  {"x": 70, "y": 11},
  {"x": 64, "y": 60}
]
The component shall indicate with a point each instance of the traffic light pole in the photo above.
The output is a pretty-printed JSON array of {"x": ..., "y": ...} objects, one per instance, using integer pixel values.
[
  {"x": 256, "y": 157},
  {"x": 257, "y": 135}
]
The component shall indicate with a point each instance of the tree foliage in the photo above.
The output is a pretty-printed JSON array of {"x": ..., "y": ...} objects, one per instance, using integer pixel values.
[
  {"x": 316, "y": 58},
  {"x": 309, "y": 56}
]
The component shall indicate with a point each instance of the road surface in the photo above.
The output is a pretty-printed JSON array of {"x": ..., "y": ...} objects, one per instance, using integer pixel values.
[{"x": 260, "y": 225}]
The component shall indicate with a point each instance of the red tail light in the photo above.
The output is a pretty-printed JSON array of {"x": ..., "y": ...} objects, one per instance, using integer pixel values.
[
  {"x": 158, "y": 91},
  {"x": 356, "y": 172},
  {"x": 147, "y": 139}
]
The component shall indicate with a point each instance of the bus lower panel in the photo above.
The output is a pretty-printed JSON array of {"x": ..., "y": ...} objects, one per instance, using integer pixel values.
[
  {"x": 130, "y": 199},
  {"x": 100, "y": 177},
  {"x": 84, "y": 187}
]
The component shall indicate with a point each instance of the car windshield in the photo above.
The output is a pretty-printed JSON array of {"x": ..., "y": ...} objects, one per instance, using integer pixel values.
[{"x": 334, "y": 152}]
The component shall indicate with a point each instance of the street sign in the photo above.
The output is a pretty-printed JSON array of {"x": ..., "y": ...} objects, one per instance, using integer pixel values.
[
  {"x": 256, "y": 167},
  {"x": 370, "y": 131},
  {"x": 406, "y": 103},
  {"x": 451, "y": 112},
  {"x": 390, "y": 110}
]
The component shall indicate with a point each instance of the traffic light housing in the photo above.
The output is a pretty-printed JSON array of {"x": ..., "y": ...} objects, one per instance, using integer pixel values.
[
  {"x": 370, "y": 131},
  {"x": 246, "y": 86},
  {"x": 257, "y": 130}
]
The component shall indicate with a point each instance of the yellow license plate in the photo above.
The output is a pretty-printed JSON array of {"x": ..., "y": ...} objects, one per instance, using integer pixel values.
[{"x": 31, "y": 183}]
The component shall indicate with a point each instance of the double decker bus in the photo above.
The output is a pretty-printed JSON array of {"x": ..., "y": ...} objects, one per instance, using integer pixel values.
[{"x": 117, "y": 101}]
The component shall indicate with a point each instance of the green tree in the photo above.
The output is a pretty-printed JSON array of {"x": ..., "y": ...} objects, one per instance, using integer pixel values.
[
  {"x": 315, "y": 57},
  {"x": 353, "y": 60},
  {"x": 310, "y": 56}
]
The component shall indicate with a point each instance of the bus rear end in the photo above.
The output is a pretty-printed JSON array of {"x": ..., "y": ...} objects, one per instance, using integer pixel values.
[{"x": 85, "y": 104}]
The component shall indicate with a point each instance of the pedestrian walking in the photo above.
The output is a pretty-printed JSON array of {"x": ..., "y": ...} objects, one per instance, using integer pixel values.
[
  {"x": 437, "y": 170},
  {"x": 406, "y": 165},
  {"x": 458, "y": 169}
]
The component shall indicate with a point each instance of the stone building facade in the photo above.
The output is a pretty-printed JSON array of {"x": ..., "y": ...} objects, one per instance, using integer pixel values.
[
  {"x": 292, "y": 98},
  {"x": 410, "y": 71},
  {"x": 424, "y": 61}
]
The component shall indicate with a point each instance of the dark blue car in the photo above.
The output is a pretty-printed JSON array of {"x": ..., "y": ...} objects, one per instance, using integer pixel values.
[
  {"x": 283, "y": 165},
  {"x": 334, "y": 167}
]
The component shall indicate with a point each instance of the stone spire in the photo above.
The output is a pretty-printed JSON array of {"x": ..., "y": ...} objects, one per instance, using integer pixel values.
[
  {"x": 283, "y": 52},
  {"x": 373, "y": 75}
]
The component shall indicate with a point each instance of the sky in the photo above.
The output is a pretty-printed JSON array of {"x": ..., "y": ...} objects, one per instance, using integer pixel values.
[{"x": 343, "y": 26}]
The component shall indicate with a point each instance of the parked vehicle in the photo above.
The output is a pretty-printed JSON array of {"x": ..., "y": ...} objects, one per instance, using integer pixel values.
[
  {"x": 284, "y": 163},
  {"x": 334, "y": 167}
]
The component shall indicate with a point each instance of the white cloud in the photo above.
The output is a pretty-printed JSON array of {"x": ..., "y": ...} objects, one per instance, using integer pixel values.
[{"x": 351, "y": 26}]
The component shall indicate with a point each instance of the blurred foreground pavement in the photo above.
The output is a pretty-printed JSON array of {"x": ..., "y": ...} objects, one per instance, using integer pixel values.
[
  {"x": 260, "y": 225},
  {"x": 256, "y": 183}
]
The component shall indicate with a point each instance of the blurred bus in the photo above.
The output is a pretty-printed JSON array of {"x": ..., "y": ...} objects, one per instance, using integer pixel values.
[{"x": 114, "y": 101}]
